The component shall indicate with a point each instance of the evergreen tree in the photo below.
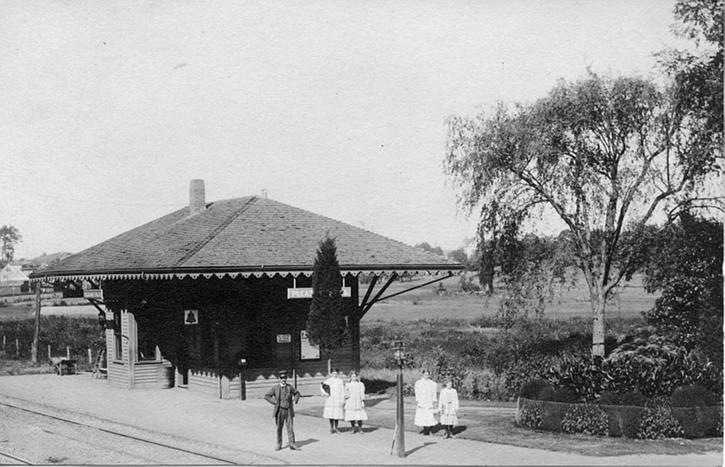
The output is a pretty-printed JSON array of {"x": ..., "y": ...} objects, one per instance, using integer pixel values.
[{"x": 326, "y": 320}]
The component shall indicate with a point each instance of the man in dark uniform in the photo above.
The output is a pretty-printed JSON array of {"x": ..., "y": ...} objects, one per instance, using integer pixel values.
[{"x": 283, "y": 397}]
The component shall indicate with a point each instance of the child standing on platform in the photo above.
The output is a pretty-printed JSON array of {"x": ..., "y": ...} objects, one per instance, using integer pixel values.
[{"x": 448, "y": 407}]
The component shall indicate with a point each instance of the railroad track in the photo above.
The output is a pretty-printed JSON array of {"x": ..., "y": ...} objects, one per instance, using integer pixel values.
[
  {"x": 112, "y": 432},
  {"x": 14, "y": 459}
]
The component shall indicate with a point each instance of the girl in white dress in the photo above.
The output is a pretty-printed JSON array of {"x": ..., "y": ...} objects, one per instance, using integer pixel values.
[
  {"x": 333, "y": 390},
  {"x": 425, "y": 403},
  {"x": 355, "y": 403},
  {"x": 448, "y": 407}
]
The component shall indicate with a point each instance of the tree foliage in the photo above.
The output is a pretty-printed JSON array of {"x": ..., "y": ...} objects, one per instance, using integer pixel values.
[
  {"x": 425, "y": 246},
  {"x": 685, "y": 265},
  {"x": 326, "y": 322},
  {"x": 9, "y": 236},
  {"x": 602, "y": 154},
  {"x": 698, "y": 73}
]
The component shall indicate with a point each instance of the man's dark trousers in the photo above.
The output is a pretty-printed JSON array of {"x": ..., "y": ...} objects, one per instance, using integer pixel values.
[{"x": 284, "y": 416}]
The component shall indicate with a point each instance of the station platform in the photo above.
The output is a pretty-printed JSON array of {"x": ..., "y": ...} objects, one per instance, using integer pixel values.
[{"x": 247, "y": 428}]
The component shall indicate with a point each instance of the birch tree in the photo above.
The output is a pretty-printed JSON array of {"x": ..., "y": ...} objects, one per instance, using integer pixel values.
[{"x": 604, "y": 155}]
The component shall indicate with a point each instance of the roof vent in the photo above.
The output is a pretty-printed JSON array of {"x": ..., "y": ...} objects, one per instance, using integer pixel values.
[{"x": 197, "y": 203}]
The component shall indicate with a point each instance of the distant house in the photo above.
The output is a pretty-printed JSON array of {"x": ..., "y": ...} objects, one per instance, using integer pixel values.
[{"x": 13, "y": 279}]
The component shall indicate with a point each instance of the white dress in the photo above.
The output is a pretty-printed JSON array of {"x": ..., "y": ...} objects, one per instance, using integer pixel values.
[
  {"x": 335, "y": 400},
  {"x": 448, "y": 406},
  {"x": 425, "y": 398},
  {"x": 355, "y": 401}
]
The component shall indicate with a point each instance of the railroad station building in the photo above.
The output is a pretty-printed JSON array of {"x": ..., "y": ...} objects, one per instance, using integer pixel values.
[{"x": 219, "y": 292}]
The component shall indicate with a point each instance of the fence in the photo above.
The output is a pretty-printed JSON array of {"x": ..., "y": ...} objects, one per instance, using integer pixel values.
[
  {"x": 624, "y": 420},
  {"x": 15, "y": 350},
  {"x": 78, "y": 338}
]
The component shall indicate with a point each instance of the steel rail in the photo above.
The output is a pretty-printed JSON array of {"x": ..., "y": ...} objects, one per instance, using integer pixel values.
[
  {"x": 15, "y": 458},
  {"x": 123, "y": 435}
]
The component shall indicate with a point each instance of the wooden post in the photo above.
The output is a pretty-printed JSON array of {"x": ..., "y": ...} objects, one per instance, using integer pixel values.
[
  {"x": 67, "y": 352},
  {"x": 90, "y": 357},
  {"x": 49, "y": 354},
  {"x": 36, "y": 334},
  {"x": 17, "y": 347},
  {"x": 3, "y": 342}
]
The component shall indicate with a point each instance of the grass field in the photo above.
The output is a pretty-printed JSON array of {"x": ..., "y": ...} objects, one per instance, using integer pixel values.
[{"x": 426, "y": 303}]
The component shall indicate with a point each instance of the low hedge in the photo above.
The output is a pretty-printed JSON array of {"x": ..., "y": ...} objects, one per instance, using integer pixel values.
[{"x": 625, "y": 420}]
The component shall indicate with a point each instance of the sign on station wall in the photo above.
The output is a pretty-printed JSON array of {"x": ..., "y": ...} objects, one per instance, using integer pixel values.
[
  {"x": 93, "y": 293},
  {"x": 191, "y": 317},
  {"x": 306, "y": 292},
  {"x": 308, "y": 351},
  {"x": 284, "y": 338}
]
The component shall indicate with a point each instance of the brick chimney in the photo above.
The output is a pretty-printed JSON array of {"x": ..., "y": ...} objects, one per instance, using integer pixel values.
[{"x": 197, "y": 203}]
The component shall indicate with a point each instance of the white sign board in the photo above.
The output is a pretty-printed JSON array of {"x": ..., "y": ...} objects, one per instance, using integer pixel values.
[
  {"x": 306, "y": 292},
  {"x": 284, "y": 338},
  {"x": 191, "y": 317},
  {"x": 308, "y": 351},
  {"x": 93, "y": 293}
]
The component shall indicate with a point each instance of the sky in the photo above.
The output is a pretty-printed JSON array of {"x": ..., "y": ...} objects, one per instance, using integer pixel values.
[{"x": 109, "y": 109}]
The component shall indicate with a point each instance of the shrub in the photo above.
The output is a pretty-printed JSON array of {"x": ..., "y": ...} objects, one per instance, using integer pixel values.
[
  {"x": 698, "y": 422},
  {"x": 532, "y": 368},
  {"x": 587, "y": 377},
  {"x": 549, "y": 393},
  {"x": 443, "y": 364},
  {"x": 609, "y": 398},
  {"x": 530, "y": 417},
  {"x": 623, "y": 420},
  {"x": 692, "y": 396},
  {"x": 718, "y": 427},
  {"x": 482, "y": 385},
  {"x": 656, "y": 367},
  {"x": 587, "y": 419},
  {"x": 634, "y": 398},
  {"x": 532, "y": 388},
  {"x": 659, "y": 423}
]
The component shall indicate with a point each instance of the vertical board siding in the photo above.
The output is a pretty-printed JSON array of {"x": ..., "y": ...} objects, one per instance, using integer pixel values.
[{"x": 125, "y": 328}]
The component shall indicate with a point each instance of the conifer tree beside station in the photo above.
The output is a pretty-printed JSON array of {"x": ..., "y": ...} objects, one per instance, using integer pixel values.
[{"x": 326, "y": 323}]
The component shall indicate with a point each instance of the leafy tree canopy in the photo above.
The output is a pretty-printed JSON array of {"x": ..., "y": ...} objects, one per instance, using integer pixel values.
[
  {"x": 603, "y": 154},
  {"x": 9, "y": 236},
  {"x": 425, "y": 246},
  {"x": 685, "y": 265}
]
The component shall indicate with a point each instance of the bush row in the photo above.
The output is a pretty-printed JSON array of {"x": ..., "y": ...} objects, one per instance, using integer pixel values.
[
  {"x": 691, "y": 411},
  {"x": 655, "y": 422},
  {"x": 490, "y": 357}
]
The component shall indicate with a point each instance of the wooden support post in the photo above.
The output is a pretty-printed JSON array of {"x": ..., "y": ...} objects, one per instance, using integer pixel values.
[
  {"x": 17, "y": 347},
  {"x": 34, "y": 350},
  {"x": 3, "y": 342},
  {"x": 67, "y": 352},
  {"x": 90, "y": 357},
  {"x": 49, "y": 354}
]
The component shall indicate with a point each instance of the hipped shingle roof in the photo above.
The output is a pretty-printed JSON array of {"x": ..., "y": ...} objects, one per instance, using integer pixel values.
[{"x": 247, "y": 236}]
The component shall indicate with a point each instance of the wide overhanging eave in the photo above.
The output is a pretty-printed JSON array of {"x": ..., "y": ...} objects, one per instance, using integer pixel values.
[{"x": 234, "y": 272}]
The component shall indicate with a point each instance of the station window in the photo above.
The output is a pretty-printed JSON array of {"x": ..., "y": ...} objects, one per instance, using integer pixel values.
[
  {"x": 117, "y": 348},
  {"x": 146, "y": 346}
]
